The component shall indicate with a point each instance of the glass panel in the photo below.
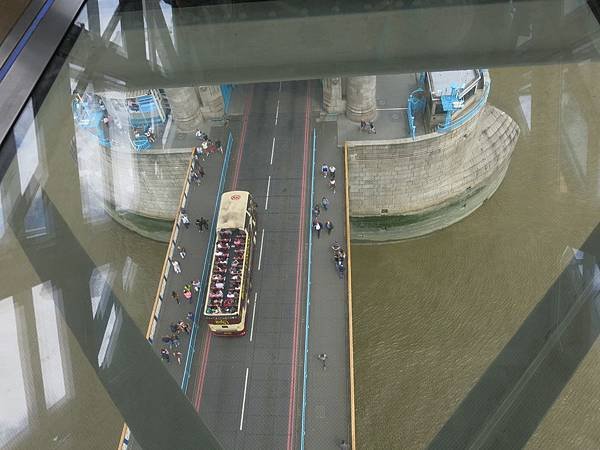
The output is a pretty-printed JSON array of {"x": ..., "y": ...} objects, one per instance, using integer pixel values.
[
  {"x": 27, "y": 147},
  {"x": 14, "y": 416},
  {"x": 49, "y": 343}
]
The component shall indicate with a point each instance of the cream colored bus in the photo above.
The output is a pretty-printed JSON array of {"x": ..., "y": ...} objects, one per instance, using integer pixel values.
[{"x": 229, "y": 283}]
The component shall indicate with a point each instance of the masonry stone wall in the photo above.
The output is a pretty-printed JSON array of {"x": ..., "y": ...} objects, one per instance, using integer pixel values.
[
  {"x": 147, "y": 183},
  {"x": 406, "y": 177}
]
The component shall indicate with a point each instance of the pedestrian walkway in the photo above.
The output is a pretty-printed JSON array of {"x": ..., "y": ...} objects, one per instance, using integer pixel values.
[
  {"x": 326, "y": 420},
  {"x": 198, "y": 201}
]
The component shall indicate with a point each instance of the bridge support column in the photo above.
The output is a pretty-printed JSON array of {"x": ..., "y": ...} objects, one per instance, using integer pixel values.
[
  {"x": 185, "y": 108},
  {"x": 213, "y": 105},
  {"x": 361, "y": 103},
  {"x": 332, "y": 95}
]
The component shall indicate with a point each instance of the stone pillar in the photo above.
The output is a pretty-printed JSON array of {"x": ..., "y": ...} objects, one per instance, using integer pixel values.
[
  {"x": 185, "y": 108},
  {"x": 213, "y": 105},
  {"x": 361, "y": 103},
  {"x": 332, "y": 95}
]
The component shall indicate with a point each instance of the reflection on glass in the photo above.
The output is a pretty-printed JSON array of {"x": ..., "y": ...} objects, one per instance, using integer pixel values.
[
  {"x": 2, "y": 223},
  {"x": 35, "y": 220},
  {"x": 525, "y": 102},
  {"x": 27, "y": 148},
  {"x": 100, "y": 287},
  {"x": 110, "y": 334},
  {"x": 49, "y": 344},
  {"x": 13, "y": 402},
  {"x": 129, "y": 271}
]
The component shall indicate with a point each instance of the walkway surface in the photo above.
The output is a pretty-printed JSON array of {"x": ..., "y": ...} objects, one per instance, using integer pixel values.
[{"x": 249, "y": 389}]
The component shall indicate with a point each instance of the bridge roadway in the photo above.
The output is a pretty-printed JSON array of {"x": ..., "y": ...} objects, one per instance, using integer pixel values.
[{"x": 249, "y": 390}]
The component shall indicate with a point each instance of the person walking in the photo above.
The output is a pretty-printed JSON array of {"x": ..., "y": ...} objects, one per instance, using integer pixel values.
[
  {"x": 177, "y": 354},
  {"x": 341, "y": 267},
  {"x": 329, "y": 226},
  {"x": 201, "y": 171},
  {"x": 316, "y": 210},
  {"x": 323, "y": 358},
  {"x": 175, "y": 296},
  {"x": 332, "y": 172},
  {"x": 196, "y": 284},
  {"x": 324, "y": 170},
  {"x": 176, "y": 267},
  {"x": 190, "y": 316},
  {"x": 181, "y": 251},
  {"x": 325, "y": 203},
  {"x": 204, "y": 223},
  {"x": 185, "y": 220},
  {"x": 318, "y": 227},
  {"x": 332, "y": 186},
  {"x": 164, "y": 354},
  {"x": 344, "y": 445},
  {"x": 199, "y": 224}
]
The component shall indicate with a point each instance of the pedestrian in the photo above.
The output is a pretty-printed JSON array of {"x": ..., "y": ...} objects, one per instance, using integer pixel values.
[
  {"x": 185, "y": 220},
  {"x": 318, "y": 227},
  {"x": 341, "y": 268},
  {"x": 174, "y": 341},
  {"x": 325, "y": 203},
  {"x": 188, "y": 295},
  {"x": 219, "y": 146},
  {"x": 203, "y": 223},
  {"x": 176, "y": 267},
  {"x": 190, "y": 316},
  {"x": 344, "y": 445},
  {"x": 372, "y": 128},
  {"x": 363, "y": 125},
  {"x": 332, "y": 186},
  {"x": 196, "y": 284},
  {"x": 194, "y": 179},
  {"x": 324, "y": 170},
  {"x": 164, "y": 354},
  {"x": 175, "y": 296},
  {"x": 329, "y": 226},
  {"x": 201, "y": 171},
  {"x": 199, "y": 133},
  {"x": 199, "y": 224},
  {"x": 181, "y": 251},
  {"x": 316, "y": 210},
  {"x": 332, "y": 172},
  {"x": 177, "y": 354},
  {"x": 323, "y": 358}
]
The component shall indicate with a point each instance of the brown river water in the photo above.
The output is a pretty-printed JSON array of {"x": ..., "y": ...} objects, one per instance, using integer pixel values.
[{"x": 432, "y": 314}]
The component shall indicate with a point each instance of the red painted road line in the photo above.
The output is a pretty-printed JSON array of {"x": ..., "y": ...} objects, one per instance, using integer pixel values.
[
  {"x": 240, "y": 151},
  {"x": 299, "y": 260},
  {"x": 202, "y": 374},
  {"x": 236, "y": 172}
]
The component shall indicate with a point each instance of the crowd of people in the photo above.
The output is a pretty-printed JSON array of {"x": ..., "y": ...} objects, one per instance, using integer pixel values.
[
  {"x": 178, "y": 330},
  {"x": 369, "y": 126},
  {"x": 328, "y": 172},
  {"x": 225, "y": 280}
]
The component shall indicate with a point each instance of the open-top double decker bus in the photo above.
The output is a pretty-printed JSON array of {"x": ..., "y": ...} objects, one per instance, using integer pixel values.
[{"x": 227, "y": 294}]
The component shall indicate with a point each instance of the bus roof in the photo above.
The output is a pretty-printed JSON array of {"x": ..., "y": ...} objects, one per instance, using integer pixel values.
[{"x": 232, "y": 213}]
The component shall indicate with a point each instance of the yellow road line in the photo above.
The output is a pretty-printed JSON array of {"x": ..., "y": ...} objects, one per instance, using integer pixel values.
[{"x": 350, "y": 331}]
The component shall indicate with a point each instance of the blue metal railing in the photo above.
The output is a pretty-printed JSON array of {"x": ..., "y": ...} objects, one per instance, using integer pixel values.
[
  {"x": 307, "y": 320},
  {"x": 446, "y": 127}
]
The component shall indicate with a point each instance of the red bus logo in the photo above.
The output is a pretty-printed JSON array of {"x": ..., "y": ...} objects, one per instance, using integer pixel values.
[{"x": 235, "y": 197}]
